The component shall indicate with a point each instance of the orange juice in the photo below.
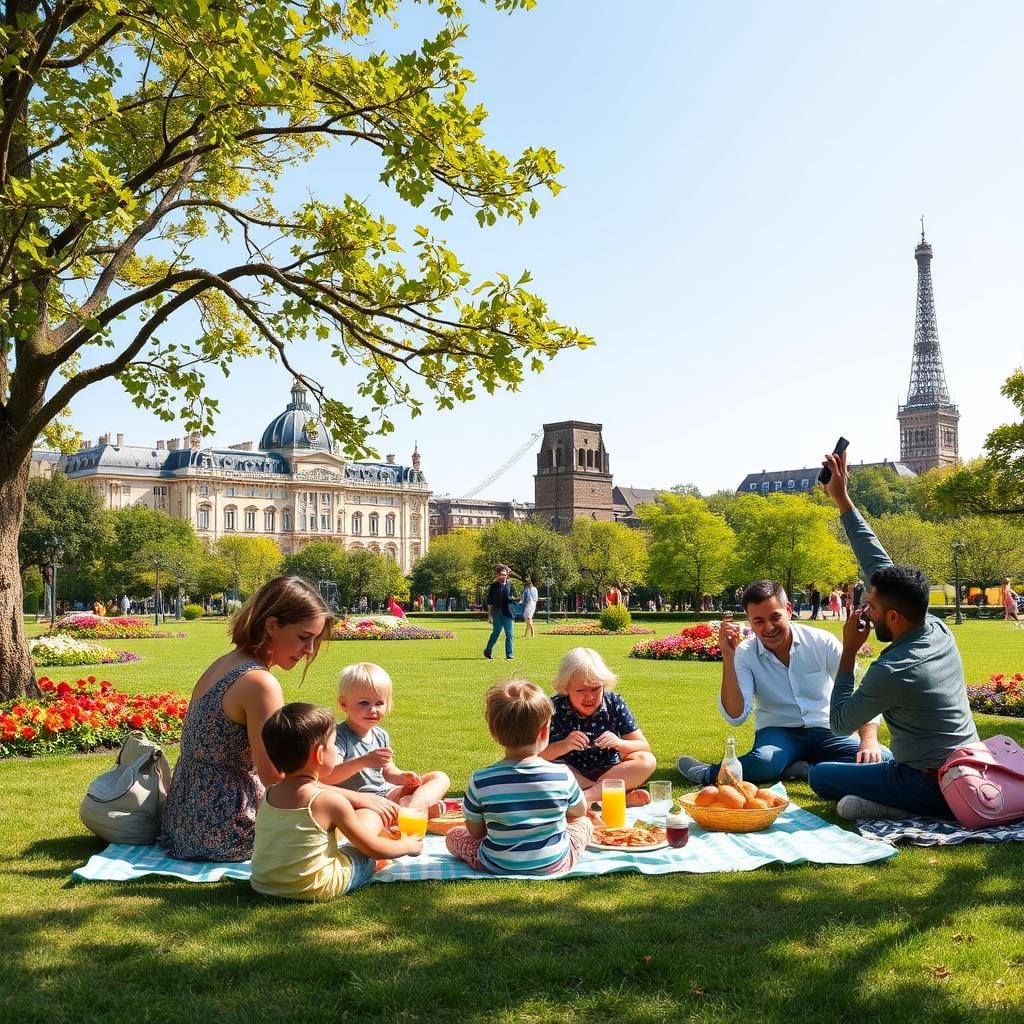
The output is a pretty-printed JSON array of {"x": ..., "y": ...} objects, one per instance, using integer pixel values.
[
  {"x": 613, "y": 807},
  {"x": 412, "y": 821}
]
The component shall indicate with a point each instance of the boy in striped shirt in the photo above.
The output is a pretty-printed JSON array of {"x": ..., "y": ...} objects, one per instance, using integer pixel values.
[{"x": 524, "y": 815}]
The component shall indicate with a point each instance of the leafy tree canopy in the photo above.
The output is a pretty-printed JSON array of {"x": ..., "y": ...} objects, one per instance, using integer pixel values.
[
  {"x": 64, "y": 520},
  {"x": 608, "y": 554},
  {"x": 449, "y": 567},
  {"x": 531, "y": 551}
]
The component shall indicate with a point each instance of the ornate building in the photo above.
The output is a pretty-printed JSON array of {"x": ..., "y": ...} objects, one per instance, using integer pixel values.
[
  {"x": 447, "y": 514},
  {"x": 928, "y": 421},
  {"x": 293, "y": 488}
]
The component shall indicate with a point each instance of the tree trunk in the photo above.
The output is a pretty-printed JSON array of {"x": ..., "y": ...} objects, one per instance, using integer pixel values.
[{"x": 17, "y": 673}]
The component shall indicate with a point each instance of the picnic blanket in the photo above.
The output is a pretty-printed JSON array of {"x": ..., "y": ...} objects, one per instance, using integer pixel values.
[
  {"x": 797, "y": 837},
  {"x": 934, "y": 832}
]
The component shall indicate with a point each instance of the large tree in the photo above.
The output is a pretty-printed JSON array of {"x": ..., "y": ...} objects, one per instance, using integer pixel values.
[
  {"x": 132, "y": 129},
  {"x": 691, "y": 547},
  {"x": 449, "y": 567},
  {"x": 531, "y": 551},
  {"x": 608, "y": 554}
]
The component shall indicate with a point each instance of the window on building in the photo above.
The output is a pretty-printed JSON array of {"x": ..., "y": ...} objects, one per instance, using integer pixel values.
[
  {"x": 250, "y": 492},
  {"x": 357, "y": 522},
  {"x": 204, "y": 517},
  {"x": 590, "y": 459},
  {"x": 341, "y": 524},
  {"x": 325, "y": 523},
  {"x": 325, "y": 497},
  {"x": 269, "y": 517},
  {"x": 286, "y": 520},
  {"x": 230, "y": 492},
  {"x": 753, "y": 487},
  {"x": 160, "y": 492},
  {"x": 765, "y": 487},
  {"x": 312, "y": 521},
  {"x": 389, "y": 526},
  {"x": 126, "y": 489},
  {"x": 204, "y": 491},
  {"x": 250, "y": 520},
  {"x": 581, "y": 458},
  {"x": 778, "y": 485},
  {"x": 229, "y": 519},
  {"x": 269, "y": 493},
  {"x": 374, "y": 524},
  {"x": 805, "y": 483},
  {"x": 790, "y": 484}
]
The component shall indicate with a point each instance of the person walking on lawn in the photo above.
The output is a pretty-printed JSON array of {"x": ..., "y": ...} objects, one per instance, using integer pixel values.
[
  {"x": 916, "y": 684},
  {"x": 785, "y": 673},
  {"x": 499, "y": 611}
]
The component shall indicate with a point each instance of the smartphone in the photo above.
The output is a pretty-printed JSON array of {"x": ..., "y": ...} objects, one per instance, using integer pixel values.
[{"x": 826, "y": 474}]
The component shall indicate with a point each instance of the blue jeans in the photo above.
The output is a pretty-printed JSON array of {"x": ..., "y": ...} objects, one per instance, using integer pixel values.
[
  {"x": 501, "y": 622},
  {"x": 889, "y": 783},
  {"x": 777, "y": 747}
]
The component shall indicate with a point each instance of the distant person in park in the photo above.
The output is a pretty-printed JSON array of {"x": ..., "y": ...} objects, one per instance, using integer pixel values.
[
  {"x": 784, "y": 673},
  {"x": 529, "y": 597},
  {"x": 98, "y": 608},
  {"x": 815, "y": 600},
  {"x": 499, "y": 611},
  {"x": 916, "y": 684},
  {"x": 833, "y": 602},
  {"x": 394, "y": 608},
  {"x": 224, "y": 768},
  {"x": 126, "y": 605},
  {"x": 1009, "y": 602}
]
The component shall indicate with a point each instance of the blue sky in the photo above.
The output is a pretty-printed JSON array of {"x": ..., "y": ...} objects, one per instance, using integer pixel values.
[{"x": 743, "y": 187}]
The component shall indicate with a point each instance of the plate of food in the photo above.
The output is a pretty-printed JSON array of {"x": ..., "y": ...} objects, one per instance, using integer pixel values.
[
  {"x": 644, "y": 835},
  {"x": 451, "y": 818}
]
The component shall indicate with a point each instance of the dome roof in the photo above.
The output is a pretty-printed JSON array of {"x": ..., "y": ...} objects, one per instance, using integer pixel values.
[{"x": 297, "y": 427}]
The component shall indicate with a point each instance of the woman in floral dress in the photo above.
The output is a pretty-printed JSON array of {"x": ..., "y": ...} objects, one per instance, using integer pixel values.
[{"x": 223, "y": 767}]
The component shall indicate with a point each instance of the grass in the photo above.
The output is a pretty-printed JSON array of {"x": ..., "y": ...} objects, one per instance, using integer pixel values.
[{"x": 933, "y": 934}]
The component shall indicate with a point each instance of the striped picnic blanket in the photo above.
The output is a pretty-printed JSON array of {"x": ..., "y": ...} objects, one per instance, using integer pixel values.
[{"x": 797, "y": 837}]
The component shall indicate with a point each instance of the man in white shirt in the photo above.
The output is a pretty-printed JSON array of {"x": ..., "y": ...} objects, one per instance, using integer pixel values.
[{"x": 785, "y": 672}]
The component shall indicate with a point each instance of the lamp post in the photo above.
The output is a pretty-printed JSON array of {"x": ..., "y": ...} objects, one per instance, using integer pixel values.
[
  {"x": 54, "y": 553},
  {"x": 957, "y": 548},
  {"x": 548, "y": 581}
]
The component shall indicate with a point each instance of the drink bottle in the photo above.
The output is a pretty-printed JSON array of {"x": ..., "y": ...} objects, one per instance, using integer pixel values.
[{"x": 731, "y": 771}]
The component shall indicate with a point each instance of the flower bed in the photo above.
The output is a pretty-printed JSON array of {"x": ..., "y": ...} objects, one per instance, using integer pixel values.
[
  {"x": 593, "y": 628},
  {"x": 1001, "y": 695},
  {"x": 67, "y": 651},
  {"x": 691, "y": 643},
  {"x": 112, "y": 627},
  {"x": 376, "y": 629},
  {"x": 85, "y": 715}
]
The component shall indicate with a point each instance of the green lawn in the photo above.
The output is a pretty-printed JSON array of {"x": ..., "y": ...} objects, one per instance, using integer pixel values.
[{"x": 931, "y": 935}]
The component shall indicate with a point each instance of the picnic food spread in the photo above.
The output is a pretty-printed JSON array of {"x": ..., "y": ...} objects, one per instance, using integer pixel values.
[
  {"x": 451, "y": 818},
  {"x": 642, "y": 836}
]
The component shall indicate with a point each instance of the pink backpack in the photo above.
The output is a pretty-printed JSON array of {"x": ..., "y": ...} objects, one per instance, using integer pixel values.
[{"x": 983, "y": 783}]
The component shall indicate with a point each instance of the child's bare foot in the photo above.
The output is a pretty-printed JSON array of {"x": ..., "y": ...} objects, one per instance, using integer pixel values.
[{"x": 637, "y": 798}]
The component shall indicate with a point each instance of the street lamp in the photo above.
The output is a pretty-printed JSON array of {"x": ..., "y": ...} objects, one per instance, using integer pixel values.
[
  {"x": 957, "y": 548},
  {"x": 53, "y": 550},
  {"x": 548, "y": 582}
]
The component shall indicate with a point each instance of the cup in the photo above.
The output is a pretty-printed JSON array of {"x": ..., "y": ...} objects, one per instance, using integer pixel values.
[
  {"x": 661, "y": 796},
  {"x": 613, "y": 803},
  {"x": 412, "y": 816},
  {"x": 677, "y": 829}
]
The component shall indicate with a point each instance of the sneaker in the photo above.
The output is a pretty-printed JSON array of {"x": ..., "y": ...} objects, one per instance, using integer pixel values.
[
  {"x": 797, "y": 772},
  {"x": 694, "y": 771},
  {"x": 487, "y": 655},
  {"x": 854, "y": 808}
]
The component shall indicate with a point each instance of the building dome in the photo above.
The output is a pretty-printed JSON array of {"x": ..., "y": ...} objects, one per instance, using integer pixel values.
[{"x": 297, "y": 427}]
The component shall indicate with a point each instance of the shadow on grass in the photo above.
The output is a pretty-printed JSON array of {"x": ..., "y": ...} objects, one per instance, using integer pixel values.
[{"x": 803, "y": 944}]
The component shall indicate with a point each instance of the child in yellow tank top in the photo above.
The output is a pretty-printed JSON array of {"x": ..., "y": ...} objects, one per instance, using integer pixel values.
[{"x": 296, "y": 854}]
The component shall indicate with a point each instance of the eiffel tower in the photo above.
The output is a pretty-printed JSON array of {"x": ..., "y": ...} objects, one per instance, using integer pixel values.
[{"x": 928, "y": 421}]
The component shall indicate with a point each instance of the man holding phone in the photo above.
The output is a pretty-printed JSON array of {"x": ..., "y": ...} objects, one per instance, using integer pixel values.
[{"x": 916, "y": 684}]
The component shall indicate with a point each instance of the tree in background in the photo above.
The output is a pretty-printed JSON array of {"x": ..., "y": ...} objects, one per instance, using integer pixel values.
[
  {"x": 690, "y": 548},
  {"x": 65, "y": 521},
  {"x": 788, "y": 538},
  {"x": 449, "y": 568},
  {"x": 373, "y": 576},
  {"x": 320, "y": 561},
  {"x": 250, "y": 561},
  {"x": 911, "y": 540},
  {"x": 993, "y": 485},
  {"x": 530, "y": 551},
  {"x": 877, "y": 491},
  {"x": 991, "y": 549},
  {"x": 607, "y": 555},
  {"x": 131, "y": 131}
]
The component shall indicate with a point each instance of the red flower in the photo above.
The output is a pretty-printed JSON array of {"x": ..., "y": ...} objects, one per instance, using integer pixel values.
[
  {"x": 135, "y": 721},
  {"x": 27, "y": 732}
]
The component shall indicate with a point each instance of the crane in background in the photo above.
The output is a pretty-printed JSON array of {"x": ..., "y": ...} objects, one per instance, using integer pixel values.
[{"x": 505, "y": 466}]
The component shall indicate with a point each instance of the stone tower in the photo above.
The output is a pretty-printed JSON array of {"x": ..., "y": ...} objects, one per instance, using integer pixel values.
[
  {"x": 573, "y": 478},
  {"x": 928, "y": 421}
]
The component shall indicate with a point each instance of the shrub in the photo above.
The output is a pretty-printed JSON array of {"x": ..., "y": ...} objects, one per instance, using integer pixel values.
[
  {"x": 110, "y": 627},
  {"x": 615, "y": 617},
  {"x": 66, "y": 651},
  {"x": 192, "y": 611}
]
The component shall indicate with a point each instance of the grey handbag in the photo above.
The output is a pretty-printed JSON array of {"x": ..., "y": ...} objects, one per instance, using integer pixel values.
[{"x": 123, "y": 805}]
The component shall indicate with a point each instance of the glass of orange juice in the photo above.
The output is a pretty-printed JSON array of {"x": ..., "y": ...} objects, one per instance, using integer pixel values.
[
  {"x": 613, "y": 803},
  {"x": 412, "y": 816}
]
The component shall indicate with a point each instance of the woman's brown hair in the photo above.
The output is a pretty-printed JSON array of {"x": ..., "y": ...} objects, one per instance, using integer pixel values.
[{"x": 288, "y": 599}]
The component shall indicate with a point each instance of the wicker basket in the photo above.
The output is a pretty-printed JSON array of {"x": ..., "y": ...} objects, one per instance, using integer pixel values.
[{"x": 725, "y": 819}]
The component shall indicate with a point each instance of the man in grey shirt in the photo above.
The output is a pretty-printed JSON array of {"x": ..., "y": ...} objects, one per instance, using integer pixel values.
[{"x": 917, "y": 684}]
